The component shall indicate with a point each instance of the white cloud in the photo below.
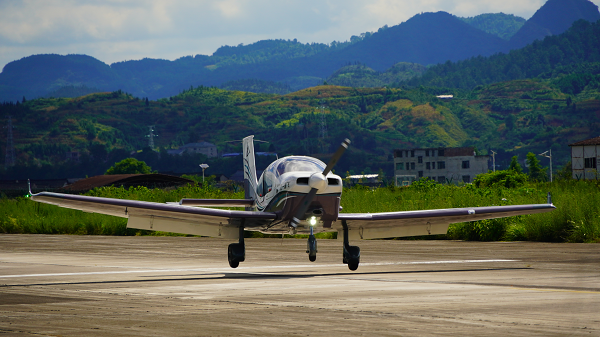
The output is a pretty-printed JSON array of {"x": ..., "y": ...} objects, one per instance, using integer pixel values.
[{"x": 115, "y": 30}]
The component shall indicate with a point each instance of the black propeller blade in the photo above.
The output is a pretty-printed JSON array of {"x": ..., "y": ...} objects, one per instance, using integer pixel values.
[{"x": 317, "y": 181}]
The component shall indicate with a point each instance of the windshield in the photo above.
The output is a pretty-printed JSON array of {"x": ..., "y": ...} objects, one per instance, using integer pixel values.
[{"x": 300, "y": 164}]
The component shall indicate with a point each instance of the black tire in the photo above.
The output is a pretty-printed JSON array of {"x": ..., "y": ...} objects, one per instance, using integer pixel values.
[
  {"x": 312, "y": 258},
  {"x": 352, "y": 257},
  {"x": 235, "y": 254}
]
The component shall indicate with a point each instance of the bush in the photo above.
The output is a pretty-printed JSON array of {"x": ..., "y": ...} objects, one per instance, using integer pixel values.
[
  {"x": 505, "y": 178},
  {"x": 129, "y": 166}
]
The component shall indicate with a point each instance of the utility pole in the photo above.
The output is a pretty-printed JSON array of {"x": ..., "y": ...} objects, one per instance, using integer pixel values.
[
  {"x": 323, "y": 131},
  {"x": 9, "y": 159},
  {"x": 548, "y": 154},
  {"x": 493, "y": 160},
  {"x": 151, "y": 136}
]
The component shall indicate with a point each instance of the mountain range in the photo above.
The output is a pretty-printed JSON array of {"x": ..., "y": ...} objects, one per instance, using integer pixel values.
[{"x": 425, "y": 39}]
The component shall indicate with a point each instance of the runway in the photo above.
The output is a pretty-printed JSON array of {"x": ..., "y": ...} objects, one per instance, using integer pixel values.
[{"x": 183, "y": 286}]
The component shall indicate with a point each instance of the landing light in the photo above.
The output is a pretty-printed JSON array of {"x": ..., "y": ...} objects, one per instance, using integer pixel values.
[{"x": 312, "y": 221}]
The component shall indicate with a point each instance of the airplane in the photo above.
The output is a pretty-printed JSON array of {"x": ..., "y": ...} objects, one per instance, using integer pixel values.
[{"x": 295, "y": 194}]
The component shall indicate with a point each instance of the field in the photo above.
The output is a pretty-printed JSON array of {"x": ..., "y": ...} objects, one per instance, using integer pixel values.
[{"x": 576, "y": 219}]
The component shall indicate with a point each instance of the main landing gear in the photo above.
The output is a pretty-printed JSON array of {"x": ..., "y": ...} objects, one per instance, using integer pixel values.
[
  {"x": 311, "y": 246},
  {"x": 351, "y": 253},
  {"x": 236, "y": 252}
]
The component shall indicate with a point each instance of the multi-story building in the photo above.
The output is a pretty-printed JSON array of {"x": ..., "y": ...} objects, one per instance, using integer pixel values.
[
  {"x": 444, "y": 165},
  {"x": 206, "y": 148},
  {"x": 585, "y": 159}
]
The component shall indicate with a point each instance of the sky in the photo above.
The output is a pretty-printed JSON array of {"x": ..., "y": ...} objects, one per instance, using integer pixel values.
[{"x": 120, "y": 30}]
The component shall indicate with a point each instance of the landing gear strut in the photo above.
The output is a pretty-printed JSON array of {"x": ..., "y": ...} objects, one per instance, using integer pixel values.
[
  {"x": 236, "y": 252},
  {"x": 311, "y": 246},
  {"x": 351, "y": 253}
]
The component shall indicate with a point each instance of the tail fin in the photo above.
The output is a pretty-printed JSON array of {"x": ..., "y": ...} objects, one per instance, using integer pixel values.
[{"x": 250, "y": 180}]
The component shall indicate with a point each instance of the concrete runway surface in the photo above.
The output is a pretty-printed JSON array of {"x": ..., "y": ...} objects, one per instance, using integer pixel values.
[{"x": 182, "y": 286}]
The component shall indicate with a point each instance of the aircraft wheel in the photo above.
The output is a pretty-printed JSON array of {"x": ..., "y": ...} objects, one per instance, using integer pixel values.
[
  {"x": 235, "y": 254},
  {"x": 353, "y": 264},
  {"x": 311, "y": 248},
  {"x": 352, "y": 257}
]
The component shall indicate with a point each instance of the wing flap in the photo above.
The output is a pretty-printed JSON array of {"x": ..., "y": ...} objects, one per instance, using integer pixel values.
[{"x": 220, "y": 229}]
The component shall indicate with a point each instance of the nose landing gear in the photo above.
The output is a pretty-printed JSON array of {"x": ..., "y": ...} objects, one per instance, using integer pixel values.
[{"x": 311, "y": 246}]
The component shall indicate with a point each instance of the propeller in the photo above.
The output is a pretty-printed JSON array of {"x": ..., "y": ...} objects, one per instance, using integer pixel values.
[{"x": 318, "y": 181}]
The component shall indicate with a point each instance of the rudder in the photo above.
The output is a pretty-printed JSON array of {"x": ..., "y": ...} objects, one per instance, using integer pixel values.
[{"x": 250, "y": 179}]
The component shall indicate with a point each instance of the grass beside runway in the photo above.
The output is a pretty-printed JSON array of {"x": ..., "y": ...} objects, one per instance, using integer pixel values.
[{"x": 576, "y": 219}]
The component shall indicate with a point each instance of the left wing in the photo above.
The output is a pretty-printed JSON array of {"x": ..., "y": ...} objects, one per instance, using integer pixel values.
[
  {"x": 163, "y": 217},
  {"x": 427, "y": 222}
]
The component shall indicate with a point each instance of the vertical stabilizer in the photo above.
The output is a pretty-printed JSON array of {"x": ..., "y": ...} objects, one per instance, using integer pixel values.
[{"x": 250, "y": 180}]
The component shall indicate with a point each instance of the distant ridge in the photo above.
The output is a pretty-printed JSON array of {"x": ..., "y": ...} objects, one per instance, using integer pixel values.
[
  {"x": 427, "y": 38},
  {"x": 553, "y": 18}
]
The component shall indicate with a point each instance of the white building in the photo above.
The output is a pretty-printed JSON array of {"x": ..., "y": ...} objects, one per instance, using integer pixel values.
[
  {"x": 205, "y": 148},
  {"x": 444, "y": 165},
  {"x": 585, "y": 158}
]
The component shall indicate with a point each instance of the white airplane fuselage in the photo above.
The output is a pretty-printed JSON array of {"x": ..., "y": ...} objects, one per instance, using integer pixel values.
[{"x": 286, "y": 181}]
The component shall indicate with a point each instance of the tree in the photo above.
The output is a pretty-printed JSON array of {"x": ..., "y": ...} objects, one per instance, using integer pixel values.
[
  {"x": 536, "y": 171},
  {"x": 514, "y": 165},
  {"x": 506, "y": 178},
  {"x": 565, "y": 173},
  {"x": 129, "y": 166}
]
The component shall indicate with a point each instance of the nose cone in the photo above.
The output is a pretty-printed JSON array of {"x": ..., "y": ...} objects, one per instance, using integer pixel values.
[{"x": 318, "y": 181}]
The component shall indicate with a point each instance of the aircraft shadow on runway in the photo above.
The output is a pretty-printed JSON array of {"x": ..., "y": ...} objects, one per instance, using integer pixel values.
[{"x": 258, "y": 276}]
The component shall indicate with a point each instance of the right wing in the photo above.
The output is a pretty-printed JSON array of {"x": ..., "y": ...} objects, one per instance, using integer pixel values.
[
  {"x": 427, "y": 222},
  {"x": 163, "y": 217}
]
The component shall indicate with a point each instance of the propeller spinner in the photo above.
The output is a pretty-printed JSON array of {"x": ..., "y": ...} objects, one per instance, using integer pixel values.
[{"x": 318, "y": 181}]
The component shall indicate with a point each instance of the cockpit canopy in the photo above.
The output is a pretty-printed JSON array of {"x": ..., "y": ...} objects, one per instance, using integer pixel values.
[
  {"x": 286, "y": 165},
  {"x": 299, "y": 164}
]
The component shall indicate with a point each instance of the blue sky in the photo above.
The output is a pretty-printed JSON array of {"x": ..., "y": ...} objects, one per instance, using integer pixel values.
[{"x": 119, "y": 30}]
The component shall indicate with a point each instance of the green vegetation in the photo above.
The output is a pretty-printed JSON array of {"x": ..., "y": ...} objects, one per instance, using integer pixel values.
[
  {"x": 21, "y": 215},
  {"x": 257, "y": 86},
  {"x": 359, "y": 75},
  {"x": 576, "y": 219},
  {"x": 575, "y": 51},
  {"x": 129, "y": 166},
  {"x": 512, "y": 118},
  {"x": 499, "y": 24}
]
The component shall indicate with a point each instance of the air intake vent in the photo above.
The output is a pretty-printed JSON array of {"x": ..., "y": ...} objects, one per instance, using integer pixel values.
[
  {"x": 302, "y": 181},
  {"x": 333, "y": 181}
]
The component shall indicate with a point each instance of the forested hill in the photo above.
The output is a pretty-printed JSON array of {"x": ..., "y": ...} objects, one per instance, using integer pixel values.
[
  {"x": 426, "y": 39},
  {"x": 511, "y": 118},
  {"x": 553, "y": 18},
  {"x": 499, "y": 24},
  {"x": 568, "y": 53}
]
